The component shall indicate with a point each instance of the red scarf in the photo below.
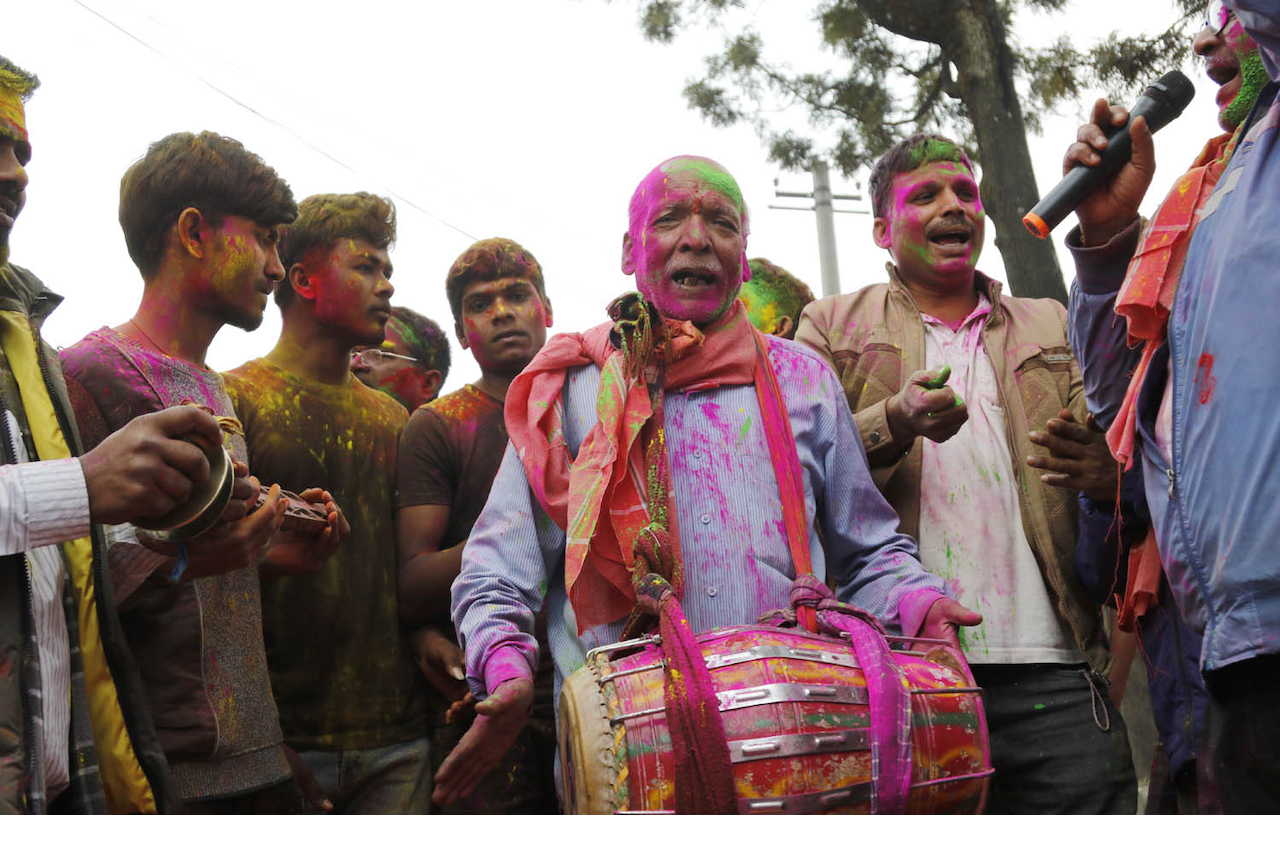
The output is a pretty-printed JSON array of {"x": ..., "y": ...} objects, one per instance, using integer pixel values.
[
  {"x": 598, "y": 498},
  {"x": 1146, "y": 296}
]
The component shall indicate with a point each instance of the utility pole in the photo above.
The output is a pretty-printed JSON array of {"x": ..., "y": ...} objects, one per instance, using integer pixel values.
[{"x": 823, "y": 208}]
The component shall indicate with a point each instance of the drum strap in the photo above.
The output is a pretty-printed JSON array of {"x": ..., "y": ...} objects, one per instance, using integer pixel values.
[
  {"x": 704, "y": 782},
  {"x": 786, "y": 462},
  {"x": 888, "y": 692}
]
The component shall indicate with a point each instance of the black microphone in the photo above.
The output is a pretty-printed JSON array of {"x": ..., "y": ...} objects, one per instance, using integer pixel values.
[{"x": 1161, "y": 102}]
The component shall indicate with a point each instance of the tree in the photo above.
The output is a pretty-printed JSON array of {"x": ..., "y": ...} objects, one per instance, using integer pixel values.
[{"x": 908, "y": 65}]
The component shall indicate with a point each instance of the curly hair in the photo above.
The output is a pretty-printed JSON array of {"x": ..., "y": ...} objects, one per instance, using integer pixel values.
[
  {"x": 774, "y": 286},
  {"x": 487, "y": 260},
  {"x": 17, "y": 80},
  {"x": 907, "y": 156},
  {"x": 324, "y": 219},
  {"x": 212, "y": 173},
  {"x": 22, "y": 83},
  {"x": 426, "y": 341}
]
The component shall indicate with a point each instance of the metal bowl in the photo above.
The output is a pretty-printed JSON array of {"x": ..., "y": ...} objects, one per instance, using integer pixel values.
[{"x": 199, "y": 512}]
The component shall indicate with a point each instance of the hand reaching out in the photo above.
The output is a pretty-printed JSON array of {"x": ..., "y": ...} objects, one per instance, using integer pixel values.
[
  {"x": 945, "y": 618},
  {"x": 495, "y": 729},
  {"x": 1078, "y": 457}
]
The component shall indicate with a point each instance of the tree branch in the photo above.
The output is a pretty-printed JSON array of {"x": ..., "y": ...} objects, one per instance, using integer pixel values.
[{"x": 919, "y": 20}]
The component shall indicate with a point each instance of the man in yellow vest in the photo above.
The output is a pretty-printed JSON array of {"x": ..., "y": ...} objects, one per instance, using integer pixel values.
[{"x": 75, "y": 735}]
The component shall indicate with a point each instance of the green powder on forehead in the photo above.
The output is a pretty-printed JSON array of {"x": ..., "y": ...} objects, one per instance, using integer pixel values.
[
  {"x": 709, "y": 173},
  {"x": 933, "y": 151}
]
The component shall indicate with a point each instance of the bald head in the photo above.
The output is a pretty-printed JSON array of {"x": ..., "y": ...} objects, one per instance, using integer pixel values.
[{"x": 707, "y": 170}]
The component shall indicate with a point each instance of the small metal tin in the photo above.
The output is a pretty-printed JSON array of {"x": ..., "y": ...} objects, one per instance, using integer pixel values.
[{"x": 201, "y": 510}]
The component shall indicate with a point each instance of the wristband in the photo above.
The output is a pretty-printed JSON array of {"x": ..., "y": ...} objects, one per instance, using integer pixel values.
[{"x": 179, "y": 564}]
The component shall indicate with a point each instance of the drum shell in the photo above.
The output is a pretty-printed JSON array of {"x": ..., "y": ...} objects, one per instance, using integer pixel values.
[{"x": 627, "y": 765}]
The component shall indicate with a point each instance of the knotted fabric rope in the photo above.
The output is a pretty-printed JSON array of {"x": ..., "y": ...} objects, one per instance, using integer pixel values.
[{"x": 703, "y": 770}]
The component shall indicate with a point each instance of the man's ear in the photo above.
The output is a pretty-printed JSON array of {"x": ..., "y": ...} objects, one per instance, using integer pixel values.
[
  {"x": 628, "y": 262},
  {"x": 546, "y": 307},
  {"x": 301, "y": 282},
  {"x": 193, "y": 232},
  {"x": 880, "y": 232},
  {"x": 461, "y": 334},
  {"x": 431, "y": 382},
  {"x": 746, "y": 266},
  {"x": 782, "y": 326}
]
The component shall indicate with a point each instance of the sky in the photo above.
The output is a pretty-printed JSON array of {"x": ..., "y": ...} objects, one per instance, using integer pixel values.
[{"x": 528, "y": 120}]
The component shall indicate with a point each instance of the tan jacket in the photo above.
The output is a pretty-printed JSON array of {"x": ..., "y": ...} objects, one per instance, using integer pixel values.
[{"x": 874, "y": 338}]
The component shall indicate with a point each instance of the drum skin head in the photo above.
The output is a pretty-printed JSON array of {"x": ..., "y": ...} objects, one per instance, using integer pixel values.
[{"x": 586, "y": 746}]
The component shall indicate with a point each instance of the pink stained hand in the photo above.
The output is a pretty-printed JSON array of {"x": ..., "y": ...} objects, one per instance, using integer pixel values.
[
  {"x": 498, "y": 723},
  {"x": 945, "y": 618},
  {"x": 926, "y": 406}
]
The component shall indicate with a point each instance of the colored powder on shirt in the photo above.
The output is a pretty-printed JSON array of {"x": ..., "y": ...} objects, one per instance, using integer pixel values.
[
  {"x": 199, "y": 645},
  {"x": 449, "y": 455},
  {"x": 340, "y": 662},
  {"x": 970, "y": 515}
]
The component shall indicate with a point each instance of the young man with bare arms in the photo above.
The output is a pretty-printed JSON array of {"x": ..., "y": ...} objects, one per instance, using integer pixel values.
[
  {"x": 351, "y": 700},
  {"x": 204, "y": 240},
  {"x": 449, "y": 455}
]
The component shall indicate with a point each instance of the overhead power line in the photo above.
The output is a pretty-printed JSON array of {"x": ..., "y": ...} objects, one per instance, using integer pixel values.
[{"x": 266, "y": 118}]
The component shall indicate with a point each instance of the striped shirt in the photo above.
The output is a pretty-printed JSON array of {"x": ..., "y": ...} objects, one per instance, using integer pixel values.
[
  {"x": 43, "y": 504},
  {"x": 732, "y": 537}
]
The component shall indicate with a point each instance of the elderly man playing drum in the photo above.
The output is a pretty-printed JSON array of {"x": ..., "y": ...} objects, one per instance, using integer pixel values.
[{"x": 673, "y": 439}]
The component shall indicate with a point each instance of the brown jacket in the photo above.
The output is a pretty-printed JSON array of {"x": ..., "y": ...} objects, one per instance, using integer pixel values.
[{"x": 874, "y": 338}]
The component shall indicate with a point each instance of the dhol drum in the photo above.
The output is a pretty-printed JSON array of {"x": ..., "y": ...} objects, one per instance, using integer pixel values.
[{"x": 796, "y": 717}]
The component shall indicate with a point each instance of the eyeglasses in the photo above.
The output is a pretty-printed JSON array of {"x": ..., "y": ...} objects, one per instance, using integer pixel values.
[
  {"x": 1216, "y": 17},
  {"x": 373, "y": 356}
]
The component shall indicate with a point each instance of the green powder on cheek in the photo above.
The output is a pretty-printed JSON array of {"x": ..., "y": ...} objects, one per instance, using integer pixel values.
[
  {"x": 920, "y": 250},
  {"x": 1253, "y": 76}
]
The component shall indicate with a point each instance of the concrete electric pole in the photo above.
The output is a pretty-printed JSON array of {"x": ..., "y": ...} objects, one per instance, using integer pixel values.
[{"x": 822, "y": 206}]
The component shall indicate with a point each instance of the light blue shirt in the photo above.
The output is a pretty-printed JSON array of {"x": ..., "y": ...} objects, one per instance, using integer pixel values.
[{"x": 736, "y": 558}]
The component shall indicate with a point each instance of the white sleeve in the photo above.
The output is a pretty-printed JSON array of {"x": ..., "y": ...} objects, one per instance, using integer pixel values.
[
  {"x": 129, "y": 563},
  {"x": 42, "y": 503}
]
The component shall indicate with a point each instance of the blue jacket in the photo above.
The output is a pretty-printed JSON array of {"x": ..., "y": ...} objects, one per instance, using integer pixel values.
[
  {"x": 1216, "y": 503},
  {"x": 1170, "y": 650}
]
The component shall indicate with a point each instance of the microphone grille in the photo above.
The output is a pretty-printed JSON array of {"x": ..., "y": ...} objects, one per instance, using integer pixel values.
[{"x": 1174, "y": 88}]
